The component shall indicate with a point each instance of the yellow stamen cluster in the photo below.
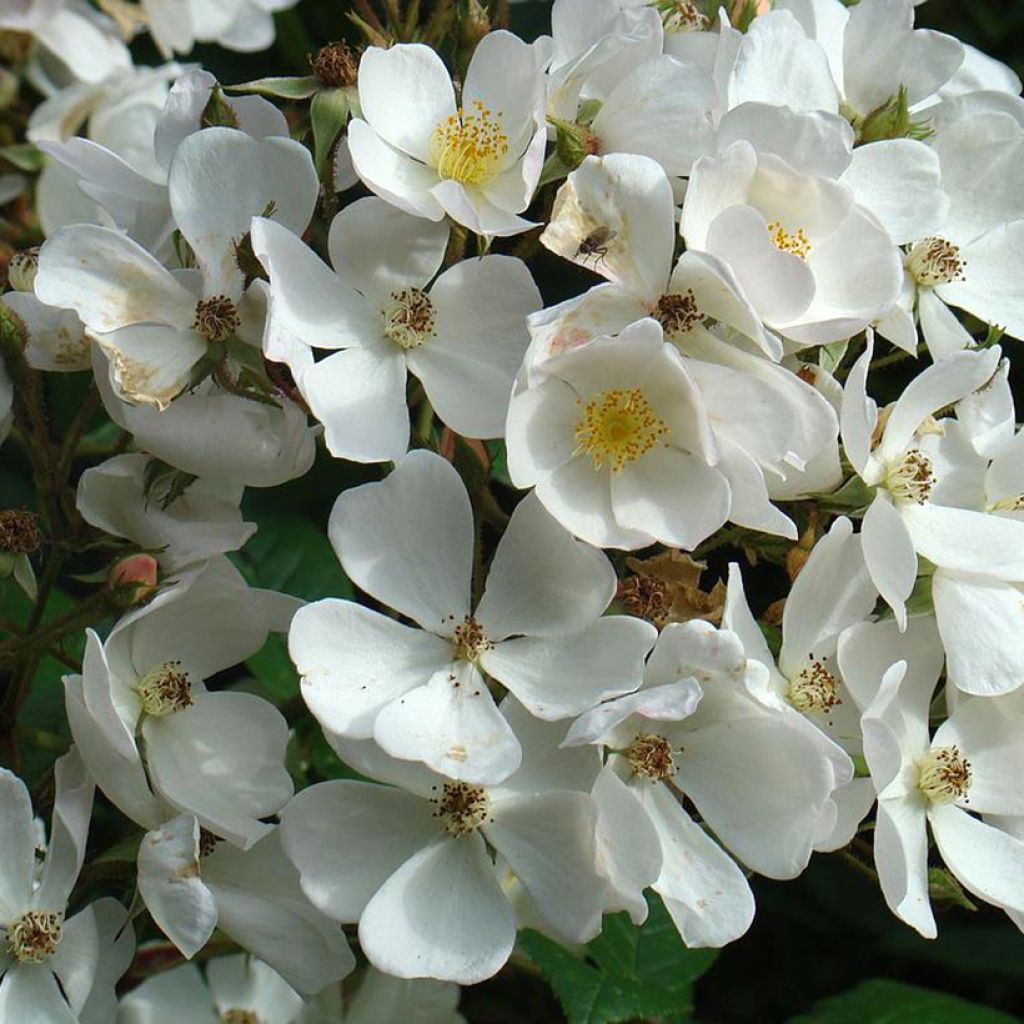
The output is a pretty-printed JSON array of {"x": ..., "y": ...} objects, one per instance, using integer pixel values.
[
  {"x": 651, "y": 756},
  {"x": 935, "y": 261},
  {"x": 814, "y": 689},
  {"x": 216, "y": 318},
  {"x": 469, "y": 146},
  {"x": 912, "y": 478},
  {"x": 34, "y": 937},
  {"x": 165, "y": 690},
  {"x": 944, "y": 776},
  {"x": 462, "y": 808},
  {"x": 795, "y": 242},
  {"x": 618, "y": 427},
  {"x": 240, "y": 1017},
  {"x": 409, "y": 318}
]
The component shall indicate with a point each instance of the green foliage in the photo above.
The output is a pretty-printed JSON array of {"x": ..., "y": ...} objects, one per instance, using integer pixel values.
[
  {"x": 626, "y": 972},
  {"x": 292, "y": 555},
  {"x": 881, "y": 1001}
]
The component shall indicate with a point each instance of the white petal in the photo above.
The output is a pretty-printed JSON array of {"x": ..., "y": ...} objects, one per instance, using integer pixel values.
[
  {"x": 214, "y": 209},
  {"x": 466, "y": 937},
  {"x": 749, "y": 502},
  {"x": 223, "y": 760},
  {"x": 704, "y": 890},
  {"x": 169, "y": 882},
  {"x": 404, "y": 93},
  {"x": 369, "y": 831},
  {"x": 672, "y": 495},
  {"x": 378, "y": 249},
  {"x": 832, "y": 592},
  {"x": 165, "y": 997},
  {"x": 391, "y": 174},
  {"x": 628, "y": 849},
  {"x": 548, "y": 841},
  {"x": 109, "y": 280},
  {"x": 901, "y": 859},
  {"x": 889, "y": 554},
  {"x": 669, "y": 702},
  {"x": 981, "y": 622},
  {"x": 56, "y": 337},
  {"x": 19, "y": 862},
  {"x": 898, "y": 181},
  {"x": 472, "y": 207},
  {"x": 72, "y": 811},
  {"x": 359, "y": 396},
  {"x": 985, "y": 860},
  {"x": 468, "y": 367},
  {"x": 760, "y": 784},
  {"x": 32, "y": 994},
  {"x": 453, "y": 726},
  {"x": 408, "y": 541},
  {"x": 353, "y": 661},
  {"x": 941, "y": 327},
  {"x": 540, "y": 434},
  {"x": 564, "y": 675},
  {"x": 858, "y": 414},
  {"x": 967, "y": 541},
  {"x": 314, "y": 303},
  {"x": 542, "y": 581}
]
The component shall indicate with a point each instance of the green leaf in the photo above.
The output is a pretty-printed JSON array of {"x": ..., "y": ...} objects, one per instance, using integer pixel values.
[
  {"x": 830, "y": 356},
  {"x": 289, "y": 88},
  {"x": 24, "y": 156},
  {"x": 292, "y": 555},
  {"x": 626, "y": 972},
  {"x": 327, "y": 113},
  {"x": 880, "y": 1001}
]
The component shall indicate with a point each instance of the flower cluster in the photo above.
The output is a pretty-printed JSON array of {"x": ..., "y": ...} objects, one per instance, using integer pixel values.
[{"x": 766, "y": 215}]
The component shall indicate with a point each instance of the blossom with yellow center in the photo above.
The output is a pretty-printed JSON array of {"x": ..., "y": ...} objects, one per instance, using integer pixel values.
[
  {"x": 618, "y": 427},
  {"x": 469, "y": 146},
  {"x": 935, "y": 261},
  {"x": 912, "y": 478},
  {"x": 165, "y": 689},
  {"x": 814, "y": 688},
  {"x": 409, "y": 318},
  {"x": 34, "y": 937}
]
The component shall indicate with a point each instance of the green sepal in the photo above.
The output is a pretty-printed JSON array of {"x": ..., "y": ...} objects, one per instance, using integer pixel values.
[
  {"x": 23, "y": 156},
  {"x": 328, "y": 114},
  {"x": 285, "y": 88}
]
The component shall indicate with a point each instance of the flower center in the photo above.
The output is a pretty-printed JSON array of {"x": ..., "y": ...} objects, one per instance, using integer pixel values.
[
  {"x": 240, "y": 1017},
  {"x": 651, "y": 756},
  {"x": 165, "y": 689},
  {"x": 469, "y": 145},
  {"x": 409, "y": 318},
  {"x": 34, "y": 937},
  {"x": 1014, "y": 504},
  {"x": 935, "y": 261},
  {"x": 469, "y": 640},
  {"x": 618, "y": 427},
  {"x": 462, "y": 808},
  {"x": 216, "y": 318},
  {"x": 795, "y": 242},
  {"x": 814, "y": 688},
  {"x": 945, "y": 776},
  {"x": 912, "y": 478},
  {"x": 683, "y": 16},
  {"x": 677, "y": 314}
]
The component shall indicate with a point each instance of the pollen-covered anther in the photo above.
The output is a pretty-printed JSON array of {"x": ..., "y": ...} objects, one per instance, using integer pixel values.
[
  {"x": 912, "y": 478},
  {"x": 165, "y": 689},
  {"x": 19, "y": 532},
  {"x": 935, "y": 261},
  {"x": 462, "y": 808},
  {"x": 469, "y": 640},
  {"x": 683, "y": 16},
  {"x": 409, "y": 318},
  {"x": 470, "y": 145},
  {"x": 216, "y": 318},
  {"x": 814, "y": 688},
  {"x": 945, "y": 776},
  {"x": 240, "y": 1017},
  {"x": 34, "y": 937},
  {"x": 618, "y": 427},
  {"x": 677, "y": 314},
  {"x": 1015, "y": 503},
  {"x": 651, "y": 756},
  {"x": 795, "y": 242}
]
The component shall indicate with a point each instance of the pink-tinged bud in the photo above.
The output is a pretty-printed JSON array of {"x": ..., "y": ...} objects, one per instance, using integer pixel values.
[{"x": 135, "y": 577}]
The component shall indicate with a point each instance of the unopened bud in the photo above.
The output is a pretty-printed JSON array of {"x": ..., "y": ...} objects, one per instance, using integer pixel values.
[
  {"x": 134, "y": 578},
  {"x": 19, "y": 532},
  {"x": 21, "y": 271},
  {"x": 336, "y": 65},
  {"x": 476, "y": 23},
  {"x": 574, "y": 142}
]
